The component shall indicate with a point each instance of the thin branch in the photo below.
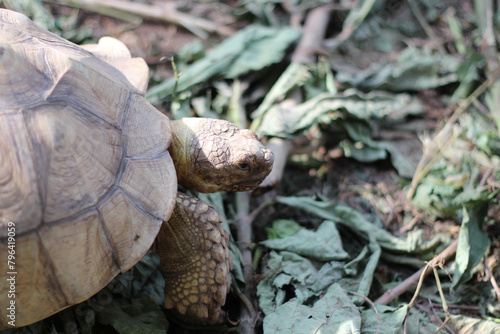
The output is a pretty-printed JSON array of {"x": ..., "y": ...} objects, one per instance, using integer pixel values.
[
  {"x": 244, "y": 219},
  {"x": 408, "y": 283},
  {"x": 460, "y": 307},
  {"x": 248, "y": 316},
  {"x": 372, "y": 304},
  {"x": 492, "y": 278},
  {"x": 443, "y": 299},
  {"x": 310, "y": 43},
  {"x": 166, "y": 12},
  {"x": 427, "y": 28}
]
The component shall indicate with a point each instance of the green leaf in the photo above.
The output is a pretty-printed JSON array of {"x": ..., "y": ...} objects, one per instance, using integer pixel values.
[
  {"x": 420, "y": 323},
  {"x": 391, "y": 319},
  {"x": 324, "y": 244},
  {"x": 368, "y": 150},
  {"x": 283, "y": 228},
  {"x": 361, "y": 152},
  {"x": 436, "y": 197},
  {"x": 350, "y": 103},
  {"x": 468, "y": 74},
  {"x": 261, "y": 47},
  {"x": 349, "y": 217},
  {"x": 366, "y": 280},
  {"x": 357, "y": 113},
  {"x": 135, "y": 316},
  {"x": 333, "y": 313},
  {"x": 294, "y": 76},
  {"x": 414, "y": 70},
  {"x": 287, "y": 272},
  {"x": 250, "y": 49},
  {"x": 473, "y": 243}
]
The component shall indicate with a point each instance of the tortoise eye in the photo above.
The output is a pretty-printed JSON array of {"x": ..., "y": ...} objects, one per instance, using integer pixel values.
[{"x": 244, "y": 166}]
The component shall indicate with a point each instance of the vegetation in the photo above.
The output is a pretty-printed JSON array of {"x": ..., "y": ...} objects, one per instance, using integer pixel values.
[{"x": 385, "y": 116}]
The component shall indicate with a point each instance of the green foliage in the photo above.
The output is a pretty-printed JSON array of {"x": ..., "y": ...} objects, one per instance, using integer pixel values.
[
  {"x": 304, "y": 267},
  {"x": 473, "y": 243},
  {"x": 370, "y": 89},
  {"x": 415, "y": 69},
  {"x": 350, "y": 217},
  {"x": 333, "y": 313},
  {"x": 252, "y": 48},
  {"x": 134, "y": 315},
  {"x": 323, "y": 244},
  {"x": 454, "y": 180}
]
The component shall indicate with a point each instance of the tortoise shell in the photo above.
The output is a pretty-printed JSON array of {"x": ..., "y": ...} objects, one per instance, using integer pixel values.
[{"x": 85, "y": 176}]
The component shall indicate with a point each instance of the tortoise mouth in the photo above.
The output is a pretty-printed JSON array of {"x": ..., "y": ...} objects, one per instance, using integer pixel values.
[{"x": 245, "y": 186}]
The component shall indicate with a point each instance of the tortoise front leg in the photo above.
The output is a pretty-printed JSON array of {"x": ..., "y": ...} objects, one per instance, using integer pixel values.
[{"x": 195, "y": 261}]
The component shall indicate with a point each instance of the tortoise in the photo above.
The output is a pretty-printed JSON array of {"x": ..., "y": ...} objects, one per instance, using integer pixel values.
[{"x": 89, "y": 174}]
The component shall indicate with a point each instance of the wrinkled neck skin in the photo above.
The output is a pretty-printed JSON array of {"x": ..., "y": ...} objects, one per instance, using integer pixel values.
[{"x": 215, "y": 155}]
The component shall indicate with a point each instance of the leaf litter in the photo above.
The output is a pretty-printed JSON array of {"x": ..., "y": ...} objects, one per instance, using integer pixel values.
[{"x": 402, "y": 97}]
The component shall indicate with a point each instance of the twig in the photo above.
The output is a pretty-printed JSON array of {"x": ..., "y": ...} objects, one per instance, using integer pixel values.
[
  {"x": 431, "y": 265},
  {"x": 409, "y": 226},
  {"x": 492, "y": 278},
  {"x": 441, "y": 294},
  {"x": 488, "y": 45},
  {"x": 248, "y": 304},
  {"x": 390, "y": 295},
  {"x": 248, "y": 316},
  {"x": 489, "y": 34},
  {"x": 422, "y": 275},
  {"x": 281, "y": 148},
  {"x": 424, "y": 166},
  {"x": 164, "y": 13},
  {"x": 427, "y": 28},
  {"x": 305, "y": 53},
  {"x": 371, "y": 303},
  {"x": 312, "y": 36},
  {"x": 460, "y": 307}
]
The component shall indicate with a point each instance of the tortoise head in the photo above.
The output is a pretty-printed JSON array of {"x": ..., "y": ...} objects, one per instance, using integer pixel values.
[{"x": 215, "y": 155}]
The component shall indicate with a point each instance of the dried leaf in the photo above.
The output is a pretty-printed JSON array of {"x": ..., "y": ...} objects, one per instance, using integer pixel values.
[{"x": 461, "y": 324}]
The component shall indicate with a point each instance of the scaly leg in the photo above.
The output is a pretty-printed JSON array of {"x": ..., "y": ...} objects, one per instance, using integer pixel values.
[{"x": 195, "y": 261}]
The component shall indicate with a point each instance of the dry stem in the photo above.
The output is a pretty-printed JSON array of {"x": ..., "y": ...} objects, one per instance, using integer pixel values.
[
  {"x": 164, "y": 13},
  {"x": 305, "y": 53},
  {"x": 432, "y": 265},
  {"x": 408, "y": 283}
]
